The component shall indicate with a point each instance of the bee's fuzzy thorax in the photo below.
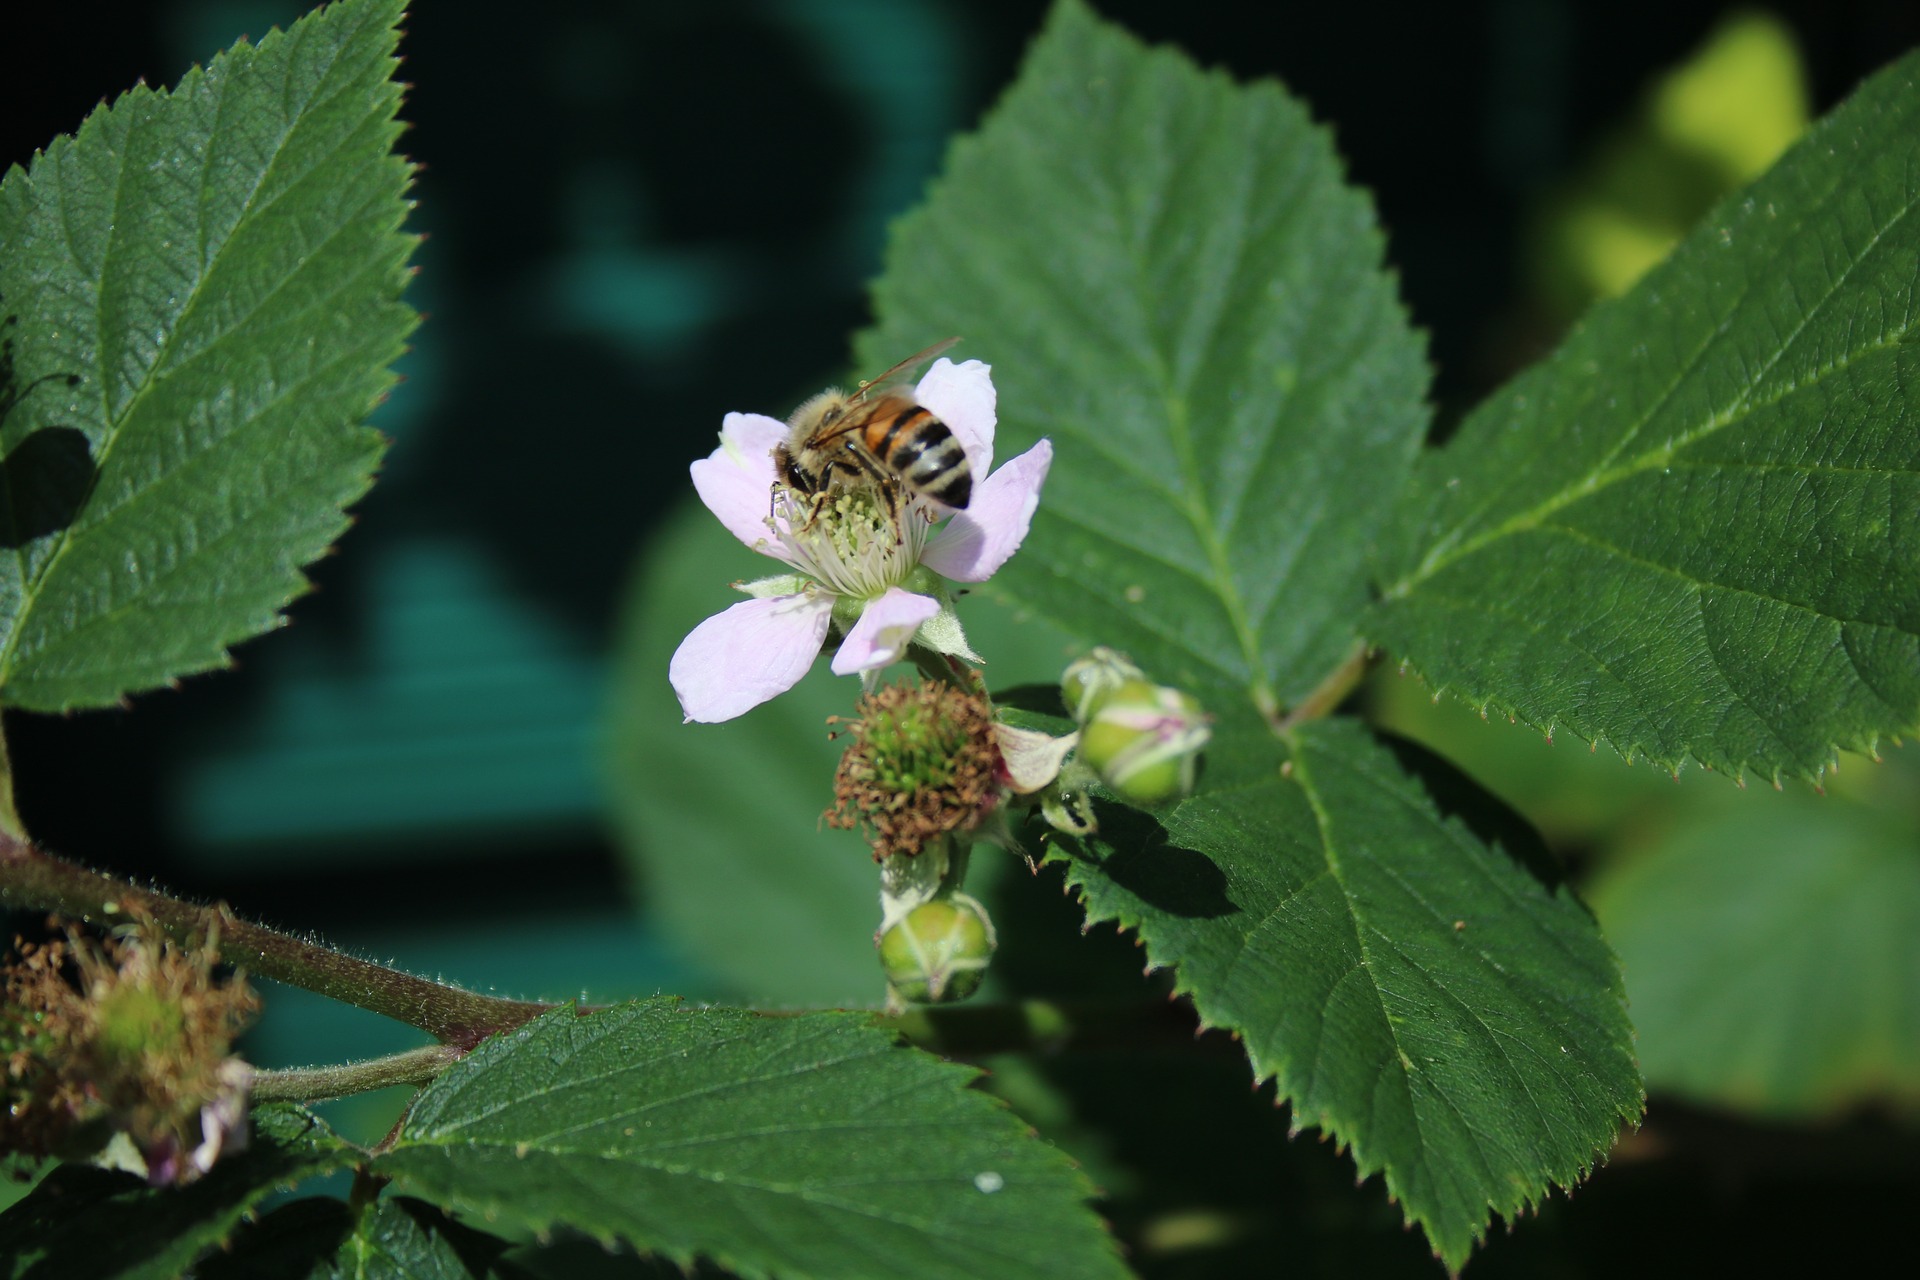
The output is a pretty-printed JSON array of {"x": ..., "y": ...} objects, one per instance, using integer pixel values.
[{"x": 805, "y": 420}]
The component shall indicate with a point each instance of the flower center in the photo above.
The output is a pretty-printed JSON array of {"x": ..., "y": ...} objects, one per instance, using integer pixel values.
[{"x": 853, "y": 543}]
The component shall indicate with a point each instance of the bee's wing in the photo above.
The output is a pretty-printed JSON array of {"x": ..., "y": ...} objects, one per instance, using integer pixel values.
[
  {"x": 867, "y": 410},
  {"x": 905, "y": 367}
]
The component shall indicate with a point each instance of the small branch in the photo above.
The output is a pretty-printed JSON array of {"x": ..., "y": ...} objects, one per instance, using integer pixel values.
[
  {"x": 1330, "y": 692},
  {"x": 317, "y": 1084},
  {"x": 33, "y": 880},
  {"x": 10, "y": 824}
]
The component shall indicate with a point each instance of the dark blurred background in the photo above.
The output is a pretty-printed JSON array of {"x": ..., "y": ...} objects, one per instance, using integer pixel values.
[{"x": 640, "y": 215}]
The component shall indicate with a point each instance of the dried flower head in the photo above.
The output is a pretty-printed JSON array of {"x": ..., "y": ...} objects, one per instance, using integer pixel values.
[
  {"x": 127, "y": 1034},
  {"x": 922, "y": 764}
]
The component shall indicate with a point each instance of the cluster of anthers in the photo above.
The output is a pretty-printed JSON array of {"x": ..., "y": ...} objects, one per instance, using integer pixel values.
[{"x": 922, "y": 765}]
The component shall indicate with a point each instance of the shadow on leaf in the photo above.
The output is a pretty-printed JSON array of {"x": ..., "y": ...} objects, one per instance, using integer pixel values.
[
  {"x": 45, "y": 479},
  {"x": 1039, "y": 699},
  {"x": 1181, "y": 882},
  {"x": 44, "y": 482}
]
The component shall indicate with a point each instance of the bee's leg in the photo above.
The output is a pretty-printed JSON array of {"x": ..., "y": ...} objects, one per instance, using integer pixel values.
[
  {"x": 819, "y": 494},
  {"x": 797, "y": 480},
  {"x": 784, "y": 474},
  {"x": 890, "y": 494},
  {"x": 884, "y": 483}
]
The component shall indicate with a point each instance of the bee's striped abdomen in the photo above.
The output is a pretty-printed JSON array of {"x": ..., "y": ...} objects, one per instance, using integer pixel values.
[{"x": 923, "y": 452}]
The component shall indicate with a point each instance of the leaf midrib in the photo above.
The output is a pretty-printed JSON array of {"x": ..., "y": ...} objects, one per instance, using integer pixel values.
[
  {"x": 1571, "y": 1016},
  {"x": 1445, "y": 553},
  {"x": 1301, "y": 775},
  {"x": 1191, "y": 498},
  {"x": 1193, "y": 506}
]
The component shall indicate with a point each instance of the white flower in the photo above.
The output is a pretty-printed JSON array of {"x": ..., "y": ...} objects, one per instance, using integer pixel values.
[{"x": 877, "y": 574}]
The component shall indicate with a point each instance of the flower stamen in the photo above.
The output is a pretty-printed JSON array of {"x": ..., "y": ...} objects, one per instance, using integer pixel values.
[{"x": 854, "y": 542}]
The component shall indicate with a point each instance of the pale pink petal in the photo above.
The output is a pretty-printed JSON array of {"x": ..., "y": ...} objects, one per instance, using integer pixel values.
[
  {"x": 977, "y": 541},
  {"x": 962, "y": 396},
  {"x": 736, "y": 480},
  {"x": 1032, "y": 758},
  {"x": 884, "y": 631},
  {"x": 740, "y": 657}
]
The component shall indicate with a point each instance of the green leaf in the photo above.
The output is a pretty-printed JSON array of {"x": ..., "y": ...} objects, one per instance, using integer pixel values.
[
  {"x": 82, "y": 1222},
  {"x": 395, "y": 1238},
  {"x": 1772, "y": 951},
  {"x": 575, "y": 1257},
  {"x": 1690, "y": 531},
  {"x": 723, "y": 821},
  {"x": 803, "y": 1146},
  {"x": 1391, "y": 946},
  {"x": 1171, "y": 280},
  {"x": 206, "y": 284}
]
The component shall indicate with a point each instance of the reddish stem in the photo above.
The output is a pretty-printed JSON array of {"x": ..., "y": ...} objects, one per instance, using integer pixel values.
[{"x": 33, "y": 880}]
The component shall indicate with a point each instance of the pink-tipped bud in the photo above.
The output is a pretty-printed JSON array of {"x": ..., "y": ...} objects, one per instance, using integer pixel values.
[{"x": 1144, "y": 741}]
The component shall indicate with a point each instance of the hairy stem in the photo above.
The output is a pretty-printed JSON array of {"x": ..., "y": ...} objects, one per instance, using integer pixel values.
[
  {"x": 34, "y": 880},
  {"x": 946, "y": 669},
  {"x": 317, "y": 1084}
]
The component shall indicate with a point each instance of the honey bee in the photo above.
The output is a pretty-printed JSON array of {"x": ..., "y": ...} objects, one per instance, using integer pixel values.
[{"x": 875, "y": 434}]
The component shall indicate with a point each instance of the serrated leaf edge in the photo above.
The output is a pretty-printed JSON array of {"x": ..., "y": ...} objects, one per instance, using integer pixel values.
[
  {"x": 1366, "y": 1165},
  {"x": 231, "y": 60}
]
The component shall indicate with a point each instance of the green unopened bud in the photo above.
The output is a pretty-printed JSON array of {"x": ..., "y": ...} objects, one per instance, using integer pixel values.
[
  {"x": 1144, "y": 741},
  {"x": 1087, "y": 681},
  {"x": 939, "y": 952}
]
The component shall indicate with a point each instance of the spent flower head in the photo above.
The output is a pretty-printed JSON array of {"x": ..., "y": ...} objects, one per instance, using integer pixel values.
[
  {"x": 873, "y": 570},
  {"x": 923, "y": 763},
  {"x": 129, "y": 1035}
]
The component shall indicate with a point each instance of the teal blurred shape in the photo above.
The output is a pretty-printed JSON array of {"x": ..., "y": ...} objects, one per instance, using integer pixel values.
[
  {"x": 657, "y": 305},
  {"x": 463, "y": 708}
]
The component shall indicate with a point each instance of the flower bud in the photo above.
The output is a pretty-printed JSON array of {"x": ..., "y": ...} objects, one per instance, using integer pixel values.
[
  {"x": 1144, "y": 741},
  {"x": 939, "y": 952},
  {"x": 1087, "y": 681}
]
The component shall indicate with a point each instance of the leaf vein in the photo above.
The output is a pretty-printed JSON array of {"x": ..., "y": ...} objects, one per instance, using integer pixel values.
[{"x": 1446, "y": 550}]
